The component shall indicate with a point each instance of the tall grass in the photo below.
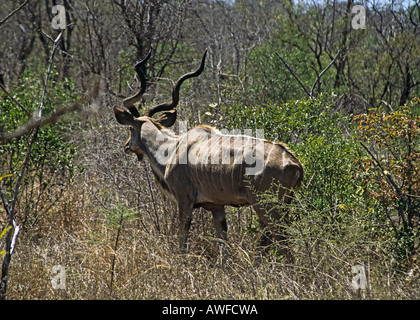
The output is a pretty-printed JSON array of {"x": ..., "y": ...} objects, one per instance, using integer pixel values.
[{"x": 145, "y": 263}]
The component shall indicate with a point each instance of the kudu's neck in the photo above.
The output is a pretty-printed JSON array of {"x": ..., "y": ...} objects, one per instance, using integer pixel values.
[{"x": 159, "y": 146}]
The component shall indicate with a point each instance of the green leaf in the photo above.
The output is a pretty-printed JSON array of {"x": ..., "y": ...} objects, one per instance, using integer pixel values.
[
  {"x": 6, "y": 176},
  {"x": 5, "y": 231}
]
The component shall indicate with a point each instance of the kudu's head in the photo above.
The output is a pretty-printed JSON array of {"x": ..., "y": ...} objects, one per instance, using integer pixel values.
[{"x": 129, "y": 114}]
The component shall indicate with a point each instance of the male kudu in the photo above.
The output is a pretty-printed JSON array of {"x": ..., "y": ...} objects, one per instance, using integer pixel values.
[{"x": 205, "y": 168}]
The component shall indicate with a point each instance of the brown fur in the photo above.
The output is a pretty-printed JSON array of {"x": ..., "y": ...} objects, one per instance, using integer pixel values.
[
  {"x": 204, "y": 168},
  {"x": 213, "y": 186}
]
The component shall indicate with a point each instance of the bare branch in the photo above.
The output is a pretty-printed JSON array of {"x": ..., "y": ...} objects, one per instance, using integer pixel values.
[
  {"x": 36, "y": 122},
  {"x": 33, "y": 138},
  {"x": 33, "y": 123},
  {"x": 323, "y": 71},
  {"x": 55, "y": 46},
  {"x": 294, "y": 75},
  {"x": 13, "y": 12},
  {"x": 4, "y": 200}
]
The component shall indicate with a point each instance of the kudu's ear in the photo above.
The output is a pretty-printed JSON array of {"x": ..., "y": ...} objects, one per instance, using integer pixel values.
[
  {"x": 123, "y": 116},
  {"x": 167, "y": 119}
]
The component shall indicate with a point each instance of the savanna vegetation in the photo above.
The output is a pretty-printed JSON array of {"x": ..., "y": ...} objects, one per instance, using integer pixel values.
[{"x": 71, "y": 197}]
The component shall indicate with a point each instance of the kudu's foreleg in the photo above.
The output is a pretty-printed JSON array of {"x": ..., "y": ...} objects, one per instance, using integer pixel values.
[
  {"x": 185, "y": 218},
  {"x": 219, "y": 221},
  {"x": 273, "y": 222}
]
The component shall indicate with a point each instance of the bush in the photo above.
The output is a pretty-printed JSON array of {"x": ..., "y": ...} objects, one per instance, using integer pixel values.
[
  {"x": 268, "y": 71},
  {"x": 390, "y": 175},
  {"x": 345, "y": 212},
  {"x": 317, "y": 134},
  {"x": 50, "y": 165}
]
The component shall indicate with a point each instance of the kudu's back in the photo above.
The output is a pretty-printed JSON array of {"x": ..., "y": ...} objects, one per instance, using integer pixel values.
[{"x": 225, "y": 169}]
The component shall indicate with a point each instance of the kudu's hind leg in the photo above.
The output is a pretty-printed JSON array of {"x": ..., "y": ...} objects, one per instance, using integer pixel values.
[{"x": 219, "y": 220}]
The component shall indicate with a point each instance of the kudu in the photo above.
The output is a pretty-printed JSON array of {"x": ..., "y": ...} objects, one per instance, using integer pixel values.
[{"x": 205, "y": 168}]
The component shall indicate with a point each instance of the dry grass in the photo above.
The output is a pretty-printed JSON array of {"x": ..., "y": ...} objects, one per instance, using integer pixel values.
[
  {"x": 105, "y": 259},
  {"x": 117, "y": 239}
]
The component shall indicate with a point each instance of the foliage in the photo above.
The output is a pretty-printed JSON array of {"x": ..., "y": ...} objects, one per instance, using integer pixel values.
[
  {"x": 115, "y": 233},
  {"x": 115, "y": 216},
  {"x": 395, "y": 141},
  {"x": 50, "y": 164},
  {"x": 375, "y": 64},
  {"x": 344, "y": 197},
  {"x": 270, "y": 80},
  {"x": 314, "y": 130}
]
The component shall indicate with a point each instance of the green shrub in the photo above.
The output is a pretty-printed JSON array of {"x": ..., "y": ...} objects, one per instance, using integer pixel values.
[
  {"x": 268, "y": 71},
  {"x": 317, "y": 134},
  {"x": 345, "y": 212},
  {"x": 50, "y": 166}
]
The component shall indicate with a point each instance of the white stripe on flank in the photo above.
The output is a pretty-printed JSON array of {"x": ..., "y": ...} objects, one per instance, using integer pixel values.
[
  {"x": 217, "y": 148},
  {"x": 284, "y": 164},
  {"x": 265, "y": 163},
  {"x": 268, "y": 155},
  {"x": 233, "y": 161},
  {"x": 284, "y": 159}
]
